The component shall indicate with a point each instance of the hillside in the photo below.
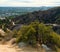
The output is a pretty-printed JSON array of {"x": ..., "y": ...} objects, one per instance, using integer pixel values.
[
  {"x": 47, "y": 16},
  {"x": 36, "y": 29}
]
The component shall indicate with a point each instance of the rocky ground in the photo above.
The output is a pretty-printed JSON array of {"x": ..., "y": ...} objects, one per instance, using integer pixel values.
[{"x": 8, "y": 47}]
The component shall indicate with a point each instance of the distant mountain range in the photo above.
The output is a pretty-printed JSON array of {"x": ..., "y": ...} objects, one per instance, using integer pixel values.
[{"x": 10, "y": 11}]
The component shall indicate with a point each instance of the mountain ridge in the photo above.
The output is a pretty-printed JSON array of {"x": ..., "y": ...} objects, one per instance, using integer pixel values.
[{"x": 46, "y": 16}]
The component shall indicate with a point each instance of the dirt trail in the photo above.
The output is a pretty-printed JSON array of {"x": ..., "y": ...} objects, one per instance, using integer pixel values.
[
  {"x": 10, "y": 48},
  {"x": 7, "y": 48}
]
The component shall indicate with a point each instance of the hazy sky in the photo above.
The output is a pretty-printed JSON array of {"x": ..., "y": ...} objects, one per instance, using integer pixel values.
[{"x": 29, "y": 3}]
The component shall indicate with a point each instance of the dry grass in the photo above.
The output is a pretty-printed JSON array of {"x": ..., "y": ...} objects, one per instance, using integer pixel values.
[{"x": 57, "y": 49}]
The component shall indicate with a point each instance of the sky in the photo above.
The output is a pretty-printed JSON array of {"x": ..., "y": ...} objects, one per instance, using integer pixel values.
[{"x": 29, "y": 3}]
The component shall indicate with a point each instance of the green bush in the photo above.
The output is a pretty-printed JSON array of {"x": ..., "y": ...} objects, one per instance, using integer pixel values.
[{"x": 38, "y": 32}]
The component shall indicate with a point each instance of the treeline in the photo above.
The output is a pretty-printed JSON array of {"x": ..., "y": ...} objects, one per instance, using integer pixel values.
[
  {"x": 37, "y": 33},
  {"x": 6, "y": 22}
]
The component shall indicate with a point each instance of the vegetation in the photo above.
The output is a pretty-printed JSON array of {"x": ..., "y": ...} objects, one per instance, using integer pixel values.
[
  {"x": 37, "y": 33},
  {"x": 47, "y": 16},
  {"x": 34, "y": 32},
  {"x": 50, "y": 16},
  {"x": 6, "y": 23}
]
